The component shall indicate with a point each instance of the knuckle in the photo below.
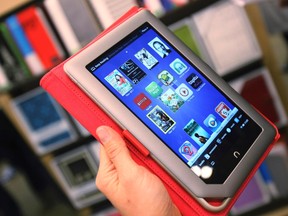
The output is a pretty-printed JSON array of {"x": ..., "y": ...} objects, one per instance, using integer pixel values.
[{"x": 113, "y": 149}]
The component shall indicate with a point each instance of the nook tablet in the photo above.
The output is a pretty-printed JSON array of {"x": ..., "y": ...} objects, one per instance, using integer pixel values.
[{"x": 191, "y": 121}]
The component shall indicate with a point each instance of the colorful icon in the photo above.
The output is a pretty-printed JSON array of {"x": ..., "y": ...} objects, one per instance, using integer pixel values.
[
  {"x": 142, "y": 101},
  {"x": 223, "y": 110},
  {"x": 187, "y": 150},
  {"x": 154, "y": 89},
  {"x": 184, "y": 92},
  {"x": 165, "y": 77},
  {"x": 194, "y": 81},
  {"x": 178, "y": 66},
  {"x": 212, "y": 123}
]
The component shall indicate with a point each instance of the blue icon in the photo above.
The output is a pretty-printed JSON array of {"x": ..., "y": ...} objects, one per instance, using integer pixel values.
[{"x": 212, "y": 123}]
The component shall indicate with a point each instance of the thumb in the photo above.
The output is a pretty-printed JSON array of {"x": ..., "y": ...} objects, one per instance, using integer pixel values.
[{"x": 115, "y": 148}]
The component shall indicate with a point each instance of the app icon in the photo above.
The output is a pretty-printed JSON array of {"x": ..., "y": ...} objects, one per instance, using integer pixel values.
[
  {"x": 154, "y": 89},
  {"x": 194, "y": 81},
  {"x": 196, "y": 132},
  {"x": 161, "y": 48},
  {"x": 223, "y": 110},
  {"x": 119, "y": 82},
  {"x": 165, "y": 77},
  {"x": 178, "y": 66},
  {"x": 184, "y": 92},
  {"x": 132, "y": 71},
  {"x": 187, "y": 150},
  {"x": 161, "y": 119},
  {"x": 212, "y": 123},
  {"x": 172, "y": 100},
  {"x": 142, "y": 101},
  {"x": 145, "y": 57}
]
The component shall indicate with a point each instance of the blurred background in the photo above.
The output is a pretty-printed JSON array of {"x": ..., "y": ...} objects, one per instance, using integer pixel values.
[{"x": 48, "y": 161}]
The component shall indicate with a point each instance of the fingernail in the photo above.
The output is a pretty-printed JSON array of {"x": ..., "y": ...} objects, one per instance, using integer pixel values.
[{"x": 103, "y": 134}]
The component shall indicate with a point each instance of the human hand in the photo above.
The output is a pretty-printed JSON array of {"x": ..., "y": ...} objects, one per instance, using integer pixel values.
[{"x": 131, "y": 188}]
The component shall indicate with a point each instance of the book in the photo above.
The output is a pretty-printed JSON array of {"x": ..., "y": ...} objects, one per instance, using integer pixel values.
[
  {"x": 76, "y": 171},
  {"x": 278, "y": 166},
  {"x": 183, "y": 30},
  {"x": 62, "y": 25},
  {"x": 39, "y": 36},
  {"x": 81, "y": 19},
  {"x": 258, "y": 88},
  {"x": 256, "y": 194},
  {"x": 7, "y": 38},
  {"x": 45, "y": 123},
  {"x": 267, "y": 177},
  {"x": 30, "y": 56},
  {"x": 11, "y": 66},
  {"x": 224, "y": 31},
  {"x": 109, "y": 11}
]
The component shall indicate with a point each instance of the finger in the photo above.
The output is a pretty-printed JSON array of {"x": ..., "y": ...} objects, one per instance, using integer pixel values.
[
  {"x": 106, "y": 173},
  {"x": 115, "y": 148},
  {"x": 104, "y": 162}
]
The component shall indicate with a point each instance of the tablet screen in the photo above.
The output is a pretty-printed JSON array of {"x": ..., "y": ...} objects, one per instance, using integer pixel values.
[{"x": 177, "y": 102}]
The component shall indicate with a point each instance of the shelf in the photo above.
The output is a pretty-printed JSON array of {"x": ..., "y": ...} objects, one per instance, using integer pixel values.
[{"x": 11, "y": 6}]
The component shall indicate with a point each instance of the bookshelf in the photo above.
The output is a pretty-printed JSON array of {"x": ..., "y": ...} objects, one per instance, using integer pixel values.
[
  {"x": 259, "y": 62},
  {"x": 8, "y": 6},
  {"x": 262, "y": 35}
]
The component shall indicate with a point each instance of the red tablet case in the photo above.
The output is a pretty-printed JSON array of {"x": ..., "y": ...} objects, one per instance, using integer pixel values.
[{"x": 82, "y": 108}]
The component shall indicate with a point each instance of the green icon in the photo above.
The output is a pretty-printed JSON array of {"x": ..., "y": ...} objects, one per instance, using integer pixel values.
[{"x": 154, "y": 89}]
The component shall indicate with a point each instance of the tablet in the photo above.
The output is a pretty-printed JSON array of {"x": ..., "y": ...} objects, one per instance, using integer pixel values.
[{"x": 191, "y": 121}]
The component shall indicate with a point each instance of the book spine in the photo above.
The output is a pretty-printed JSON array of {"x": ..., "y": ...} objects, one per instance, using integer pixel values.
[
  {"x": 30, "y": 56},
  {"x": 7, "y": 37},
  {"x": 268, "y": 179},
  {"x": 9, "y": 64},
  {"x": 57, "y": 15},
  {"x": 39, "y": 37},
  {"x": 4, "y": 82},
  {"x": 44, "y": 17},
  {"x": 81, "y": 19},
  {"x": 109, "y": 11}
]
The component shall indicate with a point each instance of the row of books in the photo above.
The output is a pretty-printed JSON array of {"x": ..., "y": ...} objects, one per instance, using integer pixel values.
[
  {"x": 38, "y": 37},
  {"x": 70, "y": 25},
  {"x": 28, "y": 44}
]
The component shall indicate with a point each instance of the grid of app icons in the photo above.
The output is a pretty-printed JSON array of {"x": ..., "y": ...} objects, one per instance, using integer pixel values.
[{"x": 160, "y": 83}]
